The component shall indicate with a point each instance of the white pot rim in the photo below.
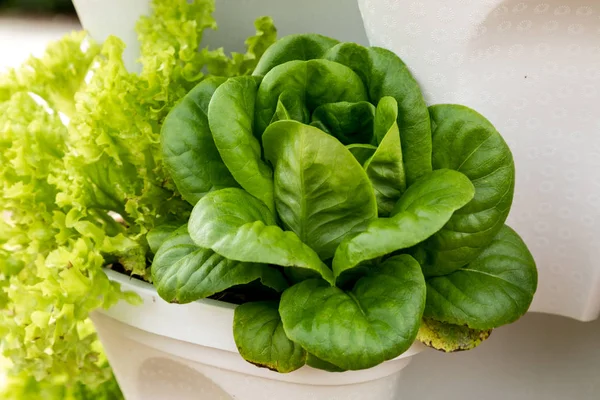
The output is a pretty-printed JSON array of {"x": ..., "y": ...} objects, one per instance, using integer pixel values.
[{"x": 208, "y": 323}]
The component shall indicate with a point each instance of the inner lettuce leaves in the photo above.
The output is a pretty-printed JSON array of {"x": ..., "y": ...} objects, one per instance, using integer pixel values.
[{"x": 82, "y": 183}]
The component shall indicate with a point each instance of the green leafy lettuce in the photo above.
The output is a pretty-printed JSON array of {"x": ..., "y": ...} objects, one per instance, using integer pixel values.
[
  {"x": 83, "y": 182},
  {"x": 325, "y": 178},
  {"x": 24, "y": 386}
]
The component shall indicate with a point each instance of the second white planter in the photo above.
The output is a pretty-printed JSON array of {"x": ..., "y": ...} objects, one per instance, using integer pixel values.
[
  {"x": 162, "y": 351},
  {"x": 533, "y": 69},
  {"x": 337, "y": 18}
]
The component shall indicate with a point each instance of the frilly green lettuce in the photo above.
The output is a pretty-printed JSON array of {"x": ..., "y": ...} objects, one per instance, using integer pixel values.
[
  {"x": 82, "y": 183},
  {"x": 23, "y": 386},
  {"x": 57, "y": 75}
]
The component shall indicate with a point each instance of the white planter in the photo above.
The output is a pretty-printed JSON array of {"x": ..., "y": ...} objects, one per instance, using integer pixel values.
[
  {"x": 162, "y": 351},
  {"x": 533, "y": 68},
  {"x": 337, "y": 18},
  {"x": 102, "y": 18}
]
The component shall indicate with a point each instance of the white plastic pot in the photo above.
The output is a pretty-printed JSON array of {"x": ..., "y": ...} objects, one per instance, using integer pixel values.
[
  {"x": 162, "y": 351},
  {"x": 532, "y": 68},
  {"x": 337, "y": 18}
]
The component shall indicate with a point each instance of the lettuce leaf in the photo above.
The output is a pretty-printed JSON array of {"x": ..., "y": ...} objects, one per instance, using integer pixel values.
[
  {"x": 23, "y": 386},
  {"x": 57, "y": 75},
  {"x": 51, "y": 277}
]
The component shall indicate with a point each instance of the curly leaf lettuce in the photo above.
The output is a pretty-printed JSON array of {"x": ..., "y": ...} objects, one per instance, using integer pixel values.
[
  {"x": 113, "y": 161},
  {"x": 51, "y": 277},
  {"x": 115, "y": 134},
  {"x": 170, "y": 39},
  {"x": 57, "y": 75}
]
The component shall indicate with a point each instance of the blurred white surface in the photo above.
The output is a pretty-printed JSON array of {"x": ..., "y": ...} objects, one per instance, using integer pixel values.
[
  {"x": 21, "y": 37},
  {"x": 103, "y": 18},
  {"x": 337, "y": 18}
]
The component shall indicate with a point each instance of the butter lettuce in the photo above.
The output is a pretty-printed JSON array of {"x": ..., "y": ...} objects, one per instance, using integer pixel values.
[
  {"x": 82, "y": 183},
  {"x": 327, "y": 165}
]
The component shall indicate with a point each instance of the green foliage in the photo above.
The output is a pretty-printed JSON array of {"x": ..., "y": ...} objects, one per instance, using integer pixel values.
[
  {"x": 259, "y": 334},
  {"x": 25, "y": 387},
  {"x": 357, "y": 329},
  {"x": 82, "y": 183},
  {"x": 310, "y": 173},
  {"x": 376, "y": 213},
  {"x": 183, "y": 272},
  {"x": 493, "y": 290}
]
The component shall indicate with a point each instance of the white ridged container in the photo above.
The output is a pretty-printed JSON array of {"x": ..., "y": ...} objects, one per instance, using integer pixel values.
[
  {"x": 337, "y": 18},
  {"x": 533, "y": 68},
  {"x": 162, "y": 351}
]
